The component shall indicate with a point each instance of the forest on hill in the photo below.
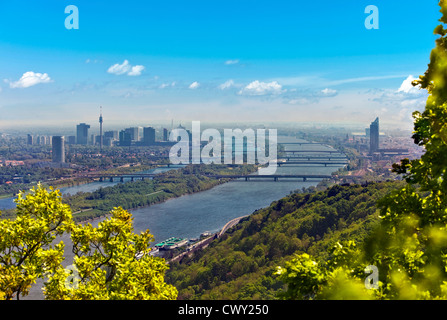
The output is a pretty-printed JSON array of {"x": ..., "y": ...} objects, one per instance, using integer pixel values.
[{"x": 241, "y": 264}]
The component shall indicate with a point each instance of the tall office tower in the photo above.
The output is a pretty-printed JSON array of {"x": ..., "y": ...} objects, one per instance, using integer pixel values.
[
  {"x": 71, "y": 140},
  {"x": 30, "y": 139},
  {"x": 58, "y": 149},
  {"x": 125, "y": 138},
  {"x": 374, "y": 136},
  {"x": 113, "y": 135},
  {"x": 134, "y": 133},
  {"x": 148, "y": 136},
  {"x": 82, "y": 133},
  {"x": 100, "y": 129},
  {"x": 165, "y": 134}
]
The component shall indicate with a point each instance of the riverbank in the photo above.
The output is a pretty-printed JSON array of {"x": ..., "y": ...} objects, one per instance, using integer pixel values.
[{"x": 140, "y": 194}]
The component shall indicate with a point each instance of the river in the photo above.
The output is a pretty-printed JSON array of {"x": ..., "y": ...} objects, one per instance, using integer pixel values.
[{"x": 190, "y": 215}]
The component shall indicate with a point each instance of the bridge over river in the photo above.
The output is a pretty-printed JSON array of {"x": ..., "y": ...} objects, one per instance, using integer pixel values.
[{"x": 275, "y": 177}]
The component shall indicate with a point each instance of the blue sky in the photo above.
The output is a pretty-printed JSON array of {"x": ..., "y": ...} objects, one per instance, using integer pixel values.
[{"x": 148, "y": 61}]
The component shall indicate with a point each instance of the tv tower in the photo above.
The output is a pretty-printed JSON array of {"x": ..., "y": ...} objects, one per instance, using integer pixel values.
[{"x": 100, "y": 128}]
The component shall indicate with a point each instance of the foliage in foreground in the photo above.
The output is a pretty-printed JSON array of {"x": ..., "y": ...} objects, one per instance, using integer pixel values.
[
  {"x": 111, "y": 262},
  {"x": 409, "y": 248}
]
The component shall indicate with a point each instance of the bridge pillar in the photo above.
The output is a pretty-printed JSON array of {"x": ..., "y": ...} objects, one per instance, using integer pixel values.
[
  {"x": 304, "y": 179},
  {"x": 142, "y": 178},
  {"x": 101, "y": 179},
  {"x": 246, "y": 178},
  {"x": 111, "y": 179},
  {"x": 275, "y": 178},
  {"x": 122, "y": 179},
  {"x": 131, "y": 178}
]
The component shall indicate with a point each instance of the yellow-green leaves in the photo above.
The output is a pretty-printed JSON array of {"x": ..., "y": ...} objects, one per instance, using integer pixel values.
[
  {"x": 107, "y": 267},
  {"x": 26, "y": 249},
  {"x": 105, "y": 264}
]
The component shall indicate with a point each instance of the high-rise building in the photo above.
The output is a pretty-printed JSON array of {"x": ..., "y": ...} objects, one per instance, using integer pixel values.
[
  {"x": 125, "y": 138},
  {"x": 111, "y": 134},
  {"x": 134, "y": 133},
  {"x": 374, "y": 136},
  {"x": 58, "y": 149},
  {"x": 30, "y": 139},
  {"x": 100, "y": 129},
  {"x": 165, "y": 134},
  {"x": 82, "y": 133},
  {"x": 148, "y": 136},
  {"x": 71, "y": 140}
]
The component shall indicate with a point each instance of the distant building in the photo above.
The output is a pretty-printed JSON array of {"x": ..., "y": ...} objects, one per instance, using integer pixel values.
[
  {"x": 71, "y": 140},
  {"x": 101, "y": 138},
  {"x": 134, "y": 133},
  {"x": 148, "y": 136},
  {"x": 125, "y": 138},
  {"x": 82, "y": 133},
  {"x": 374, "y": 136},
  {"x": 58, "y": 149},
  {"x": 108, "y": 142},
  {"x": 111, "y": 134},
  {"x": 30, "y": 139},
  {"x": 165, "y": 134}
]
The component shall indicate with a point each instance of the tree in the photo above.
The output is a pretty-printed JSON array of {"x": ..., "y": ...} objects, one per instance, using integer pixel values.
[
  {"x": 27, "y": 251},
  {"x": 111, "y": 262},
  {"x": 409, "y": 248}
]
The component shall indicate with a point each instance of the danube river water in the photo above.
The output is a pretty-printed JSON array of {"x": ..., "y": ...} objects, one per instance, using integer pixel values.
[{"x": 190, "y": 215}]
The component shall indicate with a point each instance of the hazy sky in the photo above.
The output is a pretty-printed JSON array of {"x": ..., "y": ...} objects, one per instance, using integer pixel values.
[{"x": 146, "y": 61}]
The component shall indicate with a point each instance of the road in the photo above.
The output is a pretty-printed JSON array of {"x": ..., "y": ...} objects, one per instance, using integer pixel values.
[{"x": 202, "y": 244}]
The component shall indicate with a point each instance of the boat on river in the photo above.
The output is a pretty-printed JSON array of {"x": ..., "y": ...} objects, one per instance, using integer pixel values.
[{"x": 171, "y": 243}]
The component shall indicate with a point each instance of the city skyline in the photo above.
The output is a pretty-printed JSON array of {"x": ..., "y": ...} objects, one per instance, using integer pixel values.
[{"x": 211, "y": 62}]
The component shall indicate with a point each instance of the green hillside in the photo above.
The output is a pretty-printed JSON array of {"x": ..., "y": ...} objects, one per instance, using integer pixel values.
[{"x": 241, "y": 264}]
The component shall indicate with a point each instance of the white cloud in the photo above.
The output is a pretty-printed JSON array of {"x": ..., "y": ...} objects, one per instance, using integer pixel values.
[
  {"x": 165, "y": 85},
  {"x": 226, "y": 85},
  {"x": 407, "y": 86},
  {"x": 229, "y": 62},
  {"x": 136, "y": 70},
  {"x": 30, "y": 79},
  {"x": 194, "y": 85},
  {"x": 329, "y": 92},
  {"x": 119, "y": 69},
  {"x": 257, "y": 88},
  {"x": 125, "y": 68}
]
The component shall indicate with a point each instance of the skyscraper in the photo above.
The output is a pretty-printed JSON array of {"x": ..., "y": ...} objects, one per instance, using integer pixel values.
[
  {"x": 148, "y": 136},
  {"x": 58, "y": 149},
  {"x": 134, "y": 133},
  {"x": 111, "y": 134},
  {"x": 100, "y": 129},
  {"x": 165, "y": 134},
  {"x": 125, "y": 138},
  {"x": 30, "y": 139},
  {"x": 82, "y": 133},
  {"x": 374, "y": 136}
]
